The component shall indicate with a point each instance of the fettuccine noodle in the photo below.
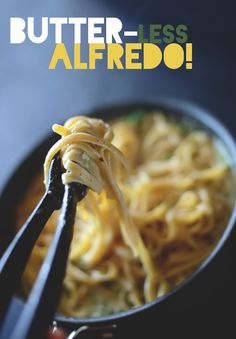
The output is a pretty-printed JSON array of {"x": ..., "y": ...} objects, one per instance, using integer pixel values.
[{"x": 158, "y": 201}]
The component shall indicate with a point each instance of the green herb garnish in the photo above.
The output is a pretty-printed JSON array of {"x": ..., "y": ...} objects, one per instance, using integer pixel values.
[{"x": 135, "y": 117}]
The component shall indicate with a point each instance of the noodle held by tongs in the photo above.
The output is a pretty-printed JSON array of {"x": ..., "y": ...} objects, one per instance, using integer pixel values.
[{"x": 90, "y": 159}]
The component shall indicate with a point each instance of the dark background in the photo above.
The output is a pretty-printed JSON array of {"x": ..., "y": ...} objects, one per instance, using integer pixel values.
[{"x": 32, "y": 97}]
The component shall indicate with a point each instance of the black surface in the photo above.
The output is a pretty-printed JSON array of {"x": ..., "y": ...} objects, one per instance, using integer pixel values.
[{"x": 31, "y": 98}]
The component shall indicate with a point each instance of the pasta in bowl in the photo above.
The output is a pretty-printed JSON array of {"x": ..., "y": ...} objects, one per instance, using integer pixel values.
[{"x": 146, "y": 230}]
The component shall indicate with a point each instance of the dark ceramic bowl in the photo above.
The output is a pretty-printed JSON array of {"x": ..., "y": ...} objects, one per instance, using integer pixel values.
[{"x": 192, "y": 293}]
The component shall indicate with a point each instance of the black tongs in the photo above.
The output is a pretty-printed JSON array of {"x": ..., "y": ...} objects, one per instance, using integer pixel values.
[{"x": 43, "y": 299}]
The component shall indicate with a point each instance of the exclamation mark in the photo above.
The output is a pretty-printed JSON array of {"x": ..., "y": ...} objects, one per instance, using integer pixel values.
[{"x": 189, "y": 56}]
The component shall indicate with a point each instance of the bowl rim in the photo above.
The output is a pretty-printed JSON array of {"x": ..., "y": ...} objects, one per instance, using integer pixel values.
[{"x": 171, "y": 106}]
